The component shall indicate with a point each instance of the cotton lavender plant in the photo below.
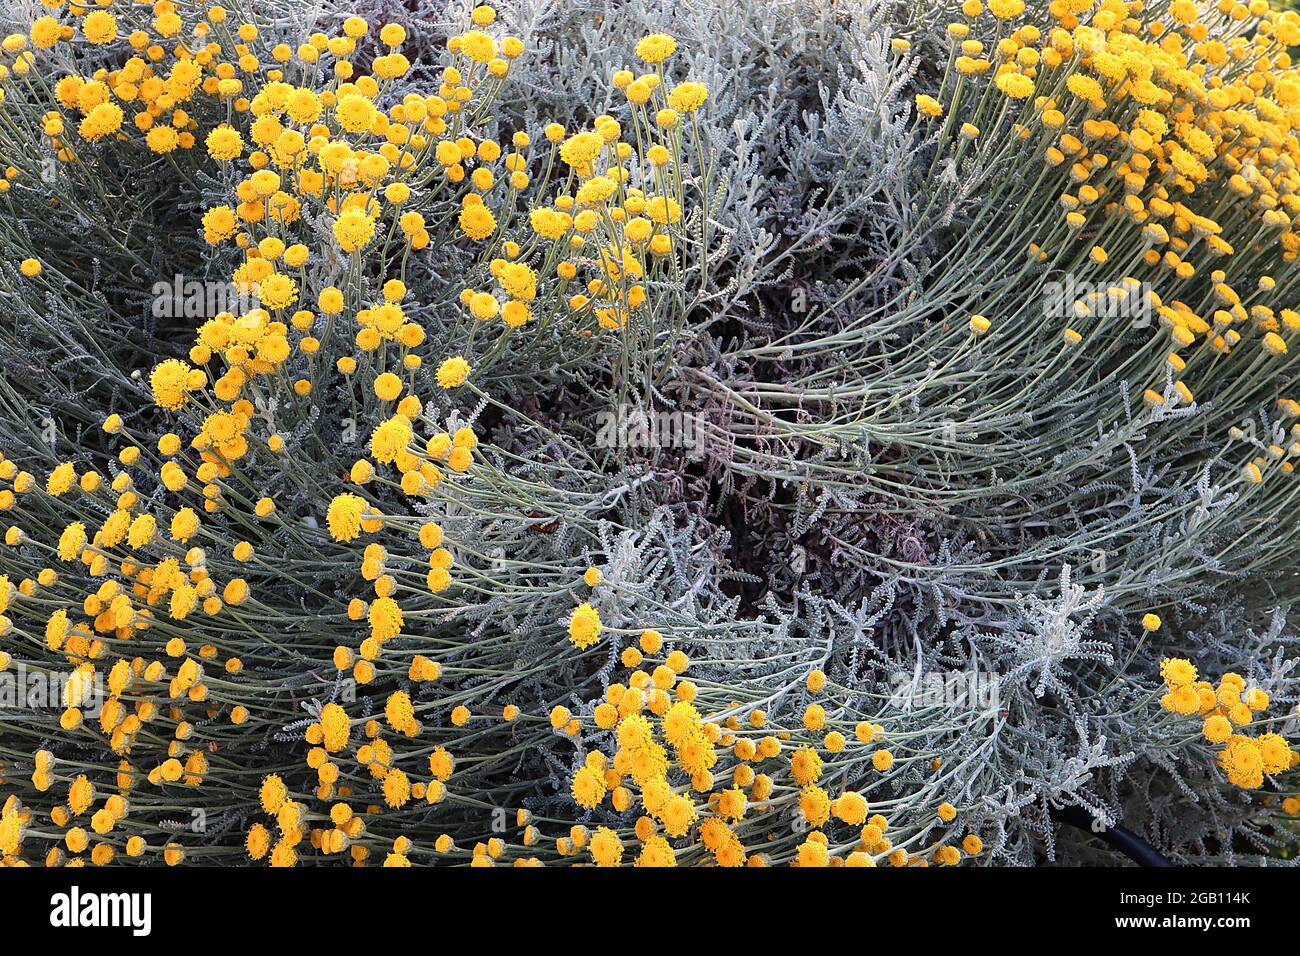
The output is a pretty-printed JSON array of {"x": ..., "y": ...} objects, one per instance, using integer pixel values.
[{"x": 662, "y": 433}]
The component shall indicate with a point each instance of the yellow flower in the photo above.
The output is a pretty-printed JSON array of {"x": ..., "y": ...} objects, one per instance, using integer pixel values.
[
  {"x": 678, "y": 815},
  {"x": 477, "y": 221},
  {"x": 390, "y": 438},
  {"x": 45, "y": 32},
  {"x": 343, "y": 516},
  {"x": 453, "y": 371},
  {"x": 219, "y": 224},
  {"x": 397, "y": 788},
  {"x": 656, "y": 47},
  {"x": 1276, "y": 753},
  {"x": 812, "y": 853},
  {"x": 581, "y": 149},
  {"x": 805, "y": 766},
  {"x": 1084, "y": 87},
  {"x": 303, "y": 106},
  {"x": 162, "y": 139},
  {"x": 104, "y": 120},
  {"x": 584, "y": 626},
  {"x": 1183, "y": 700},
  {"x": 385, "y": 619},
  {"x": 588, "y": 787},
  {"x": 335, "y": 726},
  {"x": 353, "y": 229},
  {"x": 1015, "y": 85},
  {"x": 663, "y": 210},
  {"x": 1177, "y": 672},
  {"x": 273, "y": 793},
  {"x": 606, "y": 848},
  {"x": 257, "y": 842},
  {"x": 478, "y": 46},
  {"x": 657, "y": 852},
  {"x": 277, "y": 291},
  {"x": 1216, "y": 728},
  {"x": 355, "y": 113},
  {"x": 99, "y": 27},
  {"x": 1006, "y": 9},
  {"x": 928, "y": 105},
  {"x": 71, "y": 541},
  {"x": 1243, "y": 762},
  {"x": 60, "y": 480},
  {"x": 814, "y": 717},
  {"x": 1256, "y": 699},
  {"x": 388, "y": 386},
  {"x": 851, "y": 808},
  {"x": 688, "y": 97}
]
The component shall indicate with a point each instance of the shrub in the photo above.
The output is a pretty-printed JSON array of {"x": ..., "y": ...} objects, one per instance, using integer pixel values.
[{"x": 594, "y": 449}]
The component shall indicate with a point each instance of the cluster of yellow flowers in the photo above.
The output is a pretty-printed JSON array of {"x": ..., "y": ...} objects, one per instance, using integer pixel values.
[
  {"x": 1173, "y": 137},
  {"x": 729, "y": 780},
  {"x": 1244, "y": 759},
  {"x": 1171, "y": 129},
  {"x": 1165, "y": 136},
  {"x": 301, "y": 144}
]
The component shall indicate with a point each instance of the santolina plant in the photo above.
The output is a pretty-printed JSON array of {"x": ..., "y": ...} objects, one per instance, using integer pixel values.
[{"x": 358, "y": 561}]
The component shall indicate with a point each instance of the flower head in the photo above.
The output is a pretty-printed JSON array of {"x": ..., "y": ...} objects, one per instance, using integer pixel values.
[
  {"x": 656, "y": 47},
  {"x": 584, "y": 626},
  {"x": 453, "y": 371}
]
